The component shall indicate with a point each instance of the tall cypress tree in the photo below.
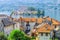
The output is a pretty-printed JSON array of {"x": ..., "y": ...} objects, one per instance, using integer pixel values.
[{"x": 38, "y": 13}]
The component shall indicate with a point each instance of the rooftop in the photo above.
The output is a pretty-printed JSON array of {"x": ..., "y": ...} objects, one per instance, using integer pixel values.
[
  {"x": 3, "y": 15},
  {"x": 40, "y": 20},
  {"x": 45, "y": 28},
  {"x": 6, "y": 22}
]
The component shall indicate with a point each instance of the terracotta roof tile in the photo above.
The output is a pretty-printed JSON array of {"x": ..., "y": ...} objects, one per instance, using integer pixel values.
[
  {"x": 54, "y": 22},
  {"x": 39, "y": 20},
  {"x": 26, "y": 19},
  {"x": 46, "y": 28},
  {"x": 33, "y": 19}
]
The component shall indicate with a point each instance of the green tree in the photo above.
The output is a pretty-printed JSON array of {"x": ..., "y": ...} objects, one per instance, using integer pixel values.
[
  {"x": 2, "y": 36},
  {"x": 40, "y": 13},
  {"x": 18, "y": 35},
  {"x": 43, "y": 13},
  {"x": 31, "y": 8},
  {"x": 11, "y": 13}
]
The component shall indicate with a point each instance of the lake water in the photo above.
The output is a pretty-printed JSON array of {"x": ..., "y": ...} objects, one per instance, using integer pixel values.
[{"x": 50, "y": 9}]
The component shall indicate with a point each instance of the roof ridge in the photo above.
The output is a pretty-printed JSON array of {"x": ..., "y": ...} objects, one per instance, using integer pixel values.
[{"x": 40, "y": 25}]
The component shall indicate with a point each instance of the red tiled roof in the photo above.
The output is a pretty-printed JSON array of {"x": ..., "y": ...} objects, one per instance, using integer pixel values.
[
  {"x": 54, "y": 22},
  {"x": 33, "y": 19},
  {"x": 40, "y": 20},
  {"x": 46, "y": 28}
]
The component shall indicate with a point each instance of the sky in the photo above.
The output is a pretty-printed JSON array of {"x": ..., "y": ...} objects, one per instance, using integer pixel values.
[
  {"x": 20, "y": 2},
  {"x": 13, "y": 4},
  {"x": 9, "y": 5},
  {"x": 30, "y": 1}
]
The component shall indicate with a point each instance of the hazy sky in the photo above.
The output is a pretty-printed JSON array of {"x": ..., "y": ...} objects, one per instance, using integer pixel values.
[
  {"x": 31, "y": 1},
  {"x": 20, "y": 0}
]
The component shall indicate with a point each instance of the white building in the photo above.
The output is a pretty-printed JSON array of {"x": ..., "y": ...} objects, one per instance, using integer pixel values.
[
  {"x": 6, "y": 24},
  {"x": 44, "y": 32}
]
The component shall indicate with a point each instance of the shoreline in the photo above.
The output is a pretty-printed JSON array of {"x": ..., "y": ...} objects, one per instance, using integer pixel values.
[
  {"x": 5, "y": 12},
  {"x": 8, "y": 13}
]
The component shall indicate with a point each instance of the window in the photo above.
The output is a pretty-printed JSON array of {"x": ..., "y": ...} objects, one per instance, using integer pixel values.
[
  {"x": 46, "y": 34},
  {"x": 41, "y": 34}
]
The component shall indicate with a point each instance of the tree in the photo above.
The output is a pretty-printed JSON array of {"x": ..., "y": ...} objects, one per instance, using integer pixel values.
[
  {"x": 31, "y": 8},
  {"x": 11, "y": 13},
  {"x": 40, "y": 13},
  {"x": 18, "y": 35},
  {"x": 2, "y": 36},
  {"x": 43, "y": 13}
]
